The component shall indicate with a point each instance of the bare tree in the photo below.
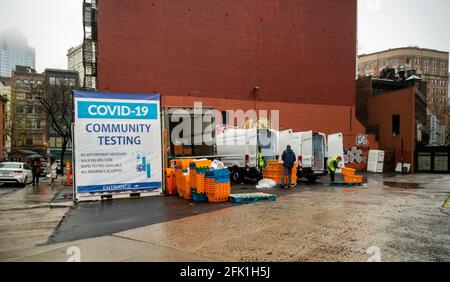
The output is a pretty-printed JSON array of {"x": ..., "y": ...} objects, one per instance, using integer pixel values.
[
  {"x": 56, "y": 101},
  {"x": 441, "y": 111}
]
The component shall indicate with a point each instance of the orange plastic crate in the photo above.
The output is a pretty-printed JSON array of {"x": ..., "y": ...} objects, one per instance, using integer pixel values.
[
  {"x": 358, "y": 178},
  {"x": 353, "y": 178},
  {"x": 187, "y": 187},
  {"x": 201, "y": 183},
  {"x": 348, "y": 171}
]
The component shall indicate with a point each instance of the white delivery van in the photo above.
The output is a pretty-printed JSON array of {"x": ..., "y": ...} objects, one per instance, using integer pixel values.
[
  {"x": 313, "y": 152},
  {"x": 238, "y": 150}
]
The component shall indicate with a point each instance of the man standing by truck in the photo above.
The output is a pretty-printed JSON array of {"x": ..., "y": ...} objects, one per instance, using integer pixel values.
[
  {"x": 333, "y": 165},
  {"x": 288, "y": 158}
]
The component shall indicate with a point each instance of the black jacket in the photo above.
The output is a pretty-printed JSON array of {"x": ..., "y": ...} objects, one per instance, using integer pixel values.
[{"x": 288, "y": 158}]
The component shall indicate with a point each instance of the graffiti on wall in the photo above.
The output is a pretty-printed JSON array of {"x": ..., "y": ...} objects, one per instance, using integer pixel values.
[
  {"x": 356, "y": 156},
  {"x": 362, "y": 140}
]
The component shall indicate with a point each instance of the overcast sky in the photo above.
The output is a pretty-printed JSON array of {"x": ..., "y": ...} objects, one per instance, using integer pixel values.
[{"x": 53, "y": 26}]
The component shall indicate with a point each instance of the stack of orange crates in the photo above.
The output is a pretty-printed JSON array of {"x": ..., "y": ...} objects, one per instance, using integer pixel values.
[
  {"x": 181, "y": 167},
  {"x": 350, "y": 177},
  {"x": 170, "y": 181},
  {"x": 274, "y": 171},
  {"x": 218, "y": 186}
]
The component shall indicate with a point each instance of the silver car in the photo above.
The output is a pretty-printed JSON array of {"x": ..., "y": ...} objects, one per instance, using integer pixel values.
[{"x": 19, "y": 173}]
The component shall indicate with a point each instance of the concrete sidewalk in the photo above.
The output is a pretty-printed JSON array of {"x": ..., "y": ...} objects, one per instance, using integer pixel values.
[
  {"x": 399, "y": 216},
  {"x": 103, "y": 249},
  {"x": 28, "y": 216}
]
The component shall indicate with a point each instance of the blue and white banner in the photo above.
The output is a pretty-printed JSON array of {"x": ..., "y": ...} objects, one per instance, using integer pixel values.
[{"x": 117, "y": 143}]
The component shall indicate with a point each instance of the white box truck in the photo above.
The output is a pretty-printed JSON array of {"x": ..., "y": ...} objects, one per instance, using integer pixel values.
[
  {"x": 313, "y": 152},
  {"x": 238, "y": 150}
]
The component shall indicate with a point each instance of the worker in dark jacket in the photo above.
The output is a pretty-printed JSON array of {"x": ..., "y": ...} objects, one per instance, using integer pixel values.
[
  {"x": 288, "y": 158},
  {"x": 333, "y": 165}
]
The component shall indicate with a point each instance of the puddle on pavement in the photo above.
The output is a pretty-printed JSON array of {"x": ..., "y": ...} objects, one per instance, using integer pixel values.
[{"x": 403, "y": 185}]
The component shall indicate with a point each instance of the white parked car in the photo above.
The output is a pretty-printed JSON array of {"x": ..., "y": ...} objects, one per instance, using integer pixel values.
[{"x": 19, "y": 173}]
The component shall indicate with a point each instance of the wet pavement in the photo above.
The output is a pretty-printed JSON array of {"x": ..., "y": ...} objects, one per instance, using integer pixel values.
[
  {"x": 394, "y": 218},
  {"x": 28, "y": 216}
]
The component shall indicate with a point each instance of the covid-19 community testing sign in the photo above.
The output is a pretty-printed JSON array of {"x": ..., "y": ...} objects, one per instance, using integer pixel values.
[{"x": 117, "y": 140}]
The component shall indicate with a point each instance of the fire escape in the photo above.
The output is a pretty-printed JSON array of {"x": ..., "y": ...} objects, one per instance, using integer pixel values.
[{"x": 90, "y": 44}]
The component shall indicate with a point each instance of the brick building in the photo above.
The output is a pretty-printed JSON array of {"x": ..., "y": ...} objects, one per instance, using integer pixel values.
[
  {"x": 28, "y": 119},
  {"x": 431, "y": 66},
  {"x": 301, "y": 54},
  {"x": 395, "y": 111}
]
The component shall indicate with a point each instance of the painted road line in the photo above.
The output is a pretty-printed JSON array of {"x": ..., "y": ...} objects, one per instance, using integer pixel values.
[{"x": 446, "y": 203}]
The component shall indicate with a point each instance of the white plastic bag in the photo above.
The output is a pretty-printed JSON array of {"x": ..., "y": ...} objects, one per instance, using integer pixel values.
[
  {"x": 266, "y": 183},
  {"x": 215, "y": 165}
]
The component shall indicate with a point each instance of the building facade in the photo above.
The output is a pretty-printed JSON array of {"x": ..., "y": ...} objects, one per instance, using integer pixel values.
[
  {"x": 299, "y": 55},
  {"x": 14, "y": 50},
  {"x": 431, "y": 66},
  {"x": 75, "y": 61},
  {"x": 28, "y": 119},
  {"x": 5, "y": 119},
  {"x": 395, "y": 111}
]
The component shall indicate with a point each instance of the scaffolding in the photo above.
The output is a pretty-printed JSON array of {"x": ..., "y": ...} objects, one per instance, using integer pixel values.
[{"x": 90, "y": 44}]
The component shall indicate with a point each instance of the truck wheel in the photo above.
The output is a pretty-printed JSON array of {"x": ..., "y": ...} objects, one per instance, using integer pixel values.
[
  {"x": 312, "y": 179},
  {"x": 235, "y": 175}
]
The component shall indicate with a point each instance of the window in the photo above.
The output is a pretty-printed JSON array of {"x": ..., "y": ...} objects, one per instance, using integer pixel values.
[
  {"x": 38, "y": 124},
  {"x": 29, "y": 110},
  {"x": 52, "y": 80},
  {"x": 29, "y": 96},
  {"x": 52, "y": 142},
  {"x": 29, "y": 141},
  {"x": 408, "y": 61},
  {"x": 417, "y": 61},
  {"x": 18, "y": 83},
  {"x": 19, "y": 109},
  {"x": 72, "y": 82},
  {"x": 395, "y": 125},
  {"x": 38, "y": 110}
]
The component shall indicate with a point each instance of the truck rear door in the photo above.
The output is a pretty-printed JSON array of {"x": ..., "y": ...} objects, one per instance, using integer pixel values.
[
  {"x": 336, "y": 146},
  {"x": 307, "y": 149}
]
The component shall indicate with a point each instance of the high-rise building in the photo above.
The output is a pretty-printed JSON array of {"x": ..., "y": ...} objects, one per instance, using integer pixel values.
[
  {"x": 14, "y": 50},
  {"x": 431, "y": 66},
  {"x": 75, "y": 61}
]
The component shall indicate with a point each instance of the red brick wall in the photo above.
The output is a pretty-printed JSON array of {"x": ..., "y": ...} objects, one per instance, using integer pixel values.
[
  {"x": 381, "y": 109},
  {"x": 297, "y": 51}
]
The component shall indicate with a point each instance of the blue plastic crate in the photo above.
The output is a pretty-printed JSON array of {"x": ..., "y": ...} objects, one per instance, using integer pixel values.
[
  {"x": 198, "y": 197},
  {"x": 252, "y": 198},
  {"x": 222, "y": 180},
  {"x": 221, "y": 173}
]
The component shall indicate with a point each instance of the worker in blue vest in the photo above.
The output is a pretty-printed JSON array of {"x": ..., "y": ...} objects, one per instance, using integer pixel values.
[{"x": 333, "y": 165}]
